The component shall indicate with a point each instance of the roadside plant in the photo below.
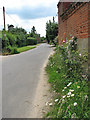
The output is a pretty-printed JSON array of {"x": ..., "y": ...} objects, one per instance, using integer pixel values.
[{"x": 69, "y": 78}]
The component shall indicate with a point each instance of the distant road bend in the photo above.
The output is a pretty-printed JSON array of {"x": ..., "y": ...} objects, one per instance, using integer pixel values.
[{"x": 21, "y": 75}]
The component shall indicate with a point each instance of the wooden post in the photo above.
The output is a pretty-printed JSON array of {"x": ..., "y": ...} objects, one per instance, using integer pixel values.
[{"x": 4, "y": 22}]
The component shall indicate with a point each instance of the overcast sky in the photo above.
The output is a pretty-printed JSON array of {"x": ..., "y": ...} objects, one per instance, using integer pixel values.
[{"x": 28, "y": 13}]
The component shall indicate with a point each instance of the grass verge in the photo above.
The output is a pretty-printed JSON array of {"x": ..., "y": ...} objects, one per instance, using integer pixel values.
[
  {"x": 14, "y": 50},
  {"x": 69, "y": 80},
  {"x": 25, "y": 48}
]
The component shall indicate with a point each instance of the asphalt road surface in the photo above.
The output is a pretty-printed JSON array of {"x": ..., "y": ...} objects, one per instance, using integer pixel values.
[{"x": 20, "y": 77}]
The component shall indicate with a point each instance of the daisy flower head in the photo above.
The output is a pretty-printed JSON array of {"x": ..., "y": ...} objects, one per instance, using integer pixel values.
[
  {"x": 69, "y": 93},
  {"x": 75, "y": 104}
]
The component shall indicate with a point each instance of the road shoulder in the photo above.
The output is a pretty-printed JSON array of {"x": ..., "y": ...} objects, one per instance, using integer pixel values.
[{"x": 43, "y": 95}]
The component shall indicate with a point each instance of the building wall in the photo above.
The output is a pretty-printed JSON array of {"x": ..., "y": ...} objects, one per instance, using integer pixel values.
[{"x": 75, "y": 23}]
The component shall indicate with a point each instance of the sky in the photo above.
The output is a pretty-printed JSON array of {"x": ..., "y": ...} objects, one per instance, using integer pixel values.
[{"x": 29, "y": 13}]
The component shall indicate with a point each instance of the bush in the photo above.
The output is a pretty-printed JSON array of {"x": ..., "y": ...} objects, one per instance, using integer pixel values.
[
  {"x": 31, "y": 41},
  {"x": 70, "y": 81},
  {"x": 11, "y": 38},
  {"x": 5, "y": 41},
  {"x": 12, "y": 50},
  {"x": 55, "y": 41}
]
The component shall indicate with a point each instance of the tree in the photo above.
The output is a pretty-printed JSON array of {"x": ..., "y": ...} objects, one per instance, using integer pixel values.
[
  {"x": 33, "y": 30},
  {"x": 51, "y": 31},
  {"x": 10, "y": 27}
]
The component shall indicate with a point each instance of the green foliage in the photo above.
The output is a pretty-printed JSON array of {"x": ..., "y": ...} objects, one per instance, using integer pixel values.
[
  {"x": 31, "y": 41},
  {"x": 14, "y": 37},
  {"x": 33, "y": 30},
  {"x": 56, "y": 40},
  {"x": 5, "y": 41},
  {"x": 10, "y": 50},
  {"x": 51, "y": 31},
  {"x": 11, "y": 38},
  {"x": 70, "y": 80},
  {"x": 43, "y": 39},
  {"x": 17, "y": 37}
]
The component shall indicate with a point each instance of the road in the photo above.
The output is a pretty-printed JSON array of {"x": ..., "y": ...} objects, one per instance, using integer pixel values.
[{"x": 20, "y": 77}]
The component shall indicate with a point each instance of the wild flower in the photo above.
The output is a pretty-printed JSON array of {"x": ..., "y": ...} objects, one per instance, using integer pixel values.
[
  {"x": 71, "y": 90},
  {"x": 69, "y": 93},
  {"x": 65, "y": 87},
  {"x": 73, "y": 37},
  {"x": 50, "y": 104},
  {"x": 75, "y": 104},
  {"x": 78, "y": 86},
  {"x": 69, "y": 84},
  {"x": 64, "y": 41},
  {"x": 56, "y": 100},
  {"x": 46, "y": 103},
  {"x": 80, "y": 54},
  {"x": 72, "y": 95},
  {"x": 68, "y": 96},
  {"x": 64, "y": 96},
  {"x": 83, "y": 76},
  {"x": 62, "y": 90},
  {"x": 86, "y": 96},
  {"x": 70, "y": 41}
]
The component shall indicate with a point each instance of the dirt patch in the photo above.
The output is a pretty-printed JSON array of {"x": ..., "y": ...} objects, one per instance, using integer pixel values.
[{"x": 43, "y": 95}]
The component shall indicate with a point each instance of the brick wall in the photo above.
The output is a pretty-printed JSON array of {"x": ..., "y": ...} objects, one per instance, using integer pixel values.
[{"x": 74, "y": 22}]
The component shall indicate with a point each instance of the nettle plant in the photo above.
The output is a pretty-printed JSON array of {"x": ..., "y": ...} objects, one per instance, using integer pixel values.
[{"x": 74, "y": 100}]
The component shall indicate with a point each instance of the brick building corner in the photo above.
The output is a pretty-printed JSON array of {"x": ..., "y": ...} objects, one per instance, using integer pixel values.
[{"x": 73, "y": 20}]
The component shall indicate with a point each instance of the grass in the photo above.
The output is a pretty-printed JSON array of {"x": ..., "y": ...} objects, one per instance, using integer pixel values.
[
  {"x": 25, "y": 48},
  {"x": 14, "y": 50},
  {"x": 69, "y": 80}
]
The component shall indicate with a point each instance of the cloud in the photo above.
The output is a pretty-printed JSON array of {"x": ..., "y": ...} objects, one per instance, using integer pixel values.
[{"x": 27, "y": 12}]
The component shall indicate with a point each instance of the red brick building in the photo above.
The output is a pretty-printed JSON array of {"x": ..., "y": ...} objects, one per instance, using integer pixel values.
[{"x": 73, "y": 20}]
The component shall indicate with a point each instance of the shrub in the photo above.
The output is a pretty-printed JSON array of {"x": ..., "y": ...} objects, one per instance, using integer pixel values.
[
  {"x": 12, "y": 50},
  {"x": 55, "y": 41},
  {"x": 5, "y": 41},
  {"x": 31, "y": 41},
  {"x": 11, "y": 38}
]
